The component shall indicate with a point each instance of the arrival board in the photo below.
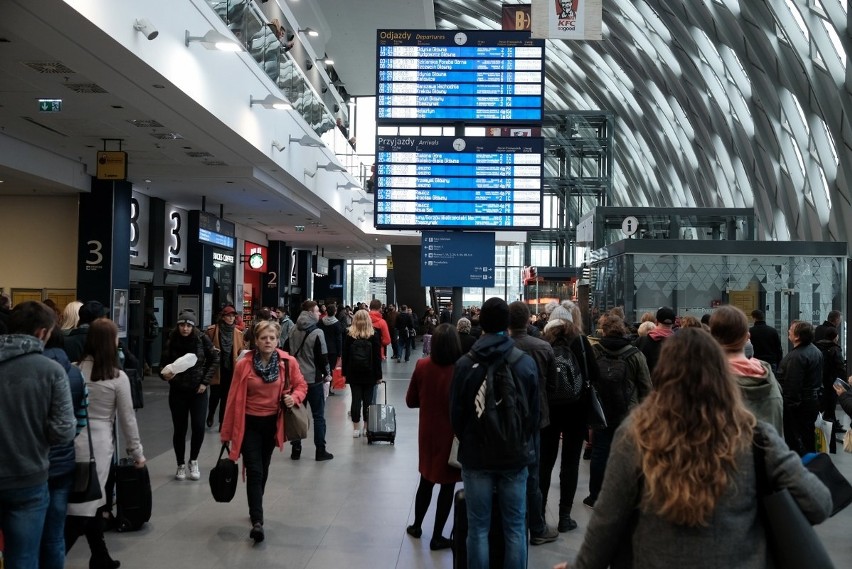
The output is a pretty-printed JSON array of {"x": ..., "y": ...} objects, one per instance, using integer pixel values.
[{"x": 446, "y": 182}]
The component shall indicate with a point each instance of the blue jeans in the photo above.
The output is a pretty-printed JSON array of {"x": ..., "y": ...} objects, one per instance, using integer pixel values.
[
  {"x": 316, "y": 399},
  {"x": 511, "y": 488},
  {"x": 22, "y": 513},
  {"x": 53, "y": 539}
]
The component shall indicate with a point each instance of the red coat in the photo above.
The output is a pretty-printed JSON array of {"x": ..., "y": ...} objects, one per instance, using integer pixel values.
[
  {"x": 430, "y": 391},
  {"x": 380, "y": 324},
  {"x": 234, "y": 423}
]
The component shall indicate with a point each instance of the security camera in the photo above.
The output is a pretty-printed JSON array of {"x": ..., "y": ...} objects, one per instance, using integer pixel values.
[{"x": 147, "y": 28}]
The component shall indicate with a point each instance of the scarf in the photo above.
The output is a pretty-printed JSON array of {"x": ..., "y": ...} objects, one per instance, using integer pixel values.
[
  {"x": 269, "y": 372},
  {"x": 226, "y": 344}
]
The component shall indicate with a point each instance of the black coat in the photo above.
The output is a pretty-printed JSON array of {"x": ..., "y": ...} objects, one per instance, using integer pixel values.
[
  {"x": 800, "y": 375},
  {"x": 363, "y": 379},
  {"x": 766, "y": 343},
  {"x": 208, "y": 359}
]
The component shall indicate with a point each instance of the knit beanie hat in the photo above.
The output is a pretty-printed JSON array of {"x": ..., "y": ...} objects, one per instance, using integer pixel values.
[
  {"x": 562, "y": 312},
  {"x": 188, "y": 317},
  {"x": 494, "y": 316}
]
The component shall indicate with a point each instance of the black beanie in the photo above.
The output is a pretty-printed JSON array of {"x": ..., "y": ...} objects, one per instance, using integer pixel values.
[{"x": 494, "y": 316}]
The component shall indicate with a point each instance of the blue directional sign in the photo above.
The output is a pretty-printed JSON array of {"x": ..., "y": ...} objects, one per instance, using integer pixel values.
[{"x": 456, "y": 258}]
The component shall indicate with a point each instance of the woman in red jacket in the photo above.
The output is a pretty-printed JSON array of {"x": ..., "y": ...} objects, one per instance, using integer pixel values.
[
  {"x": 430, "y": 391},
  {"x": 265, "y": 380}
]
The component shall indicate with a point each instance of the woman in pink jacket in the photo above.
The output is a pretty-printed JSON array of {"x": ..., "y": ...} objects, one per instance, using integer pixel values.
[{"x": 265, "y": 380}]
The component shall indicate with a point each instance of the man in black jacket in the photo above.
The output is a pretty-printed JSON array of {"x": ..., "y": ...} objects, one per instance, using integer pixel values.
[
  {"x": 831, "y": 321},
  {"x": 765, "y": 340},
  {"x": 800, "y": 376},
  {"x": 404, "y": 328}
]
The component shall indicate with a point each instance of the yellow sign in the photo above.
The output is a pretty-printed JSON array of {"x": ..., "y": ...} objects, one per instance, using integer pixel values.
[
  {"x": 112, "y": 165},
  {"x": 390, "y": 263}
]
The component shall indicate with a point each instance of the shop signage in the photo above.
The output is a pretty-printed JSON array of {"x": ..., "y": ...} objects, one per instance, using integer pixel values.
[
  {"x": 139, "y": 228},
  {"x": 223, "y": 257}
]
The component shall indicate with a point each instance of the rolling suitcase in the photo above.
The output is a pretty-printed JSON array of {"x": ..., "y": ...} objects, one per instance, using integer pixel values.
[
  {"x": 132, "y": 495},
  {"x": 496, "y": 543},
  {"x": 381, "y": 421}
]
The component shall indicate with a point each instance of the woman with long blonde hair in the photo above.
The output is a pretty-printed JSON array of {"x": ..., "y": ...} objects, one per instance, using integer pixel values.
[
  {"x": 70, "y": 316},
  {"x": 361, "y": 368},
  {"x": 682, "y": 463}
]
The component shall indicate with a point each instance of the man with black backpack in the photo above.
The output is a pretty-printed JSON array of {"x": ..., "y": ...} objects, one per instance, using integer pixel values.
[{"x": 494, "y": 408}]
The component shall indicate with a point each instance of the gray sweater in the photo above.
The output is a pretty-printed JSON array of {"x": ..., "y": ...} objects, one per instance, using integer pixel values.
[
  {"x": 733, "y": 537},
  {"x": 35, "y": 404}
]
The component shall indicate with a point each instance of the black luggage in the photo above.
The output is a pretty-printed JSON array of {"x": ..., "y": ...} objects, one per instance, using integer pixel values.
[
  {"x": 496, "y": 542},
  {"x": 381, "y": 421},
  {"x": 132, "y": 495}
]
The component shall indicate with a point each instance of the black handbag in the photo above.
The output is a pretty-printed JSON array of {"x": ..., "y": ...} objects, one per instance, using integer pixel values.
[
  {"x": 791, "y": 540},
  {"x": 223, "y": 477},
  {"x": 821, "y": 465},
  {"x": 597, "y": 417},
  {"x": 87, "y": 486}
]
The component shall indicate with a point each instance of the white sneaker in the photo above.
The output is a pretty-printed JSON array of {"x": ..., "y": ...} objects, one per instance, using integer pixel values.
[
  {"x": 356, "y": 433},
  {"x": 181, "y": 472},
  {"x": 194, "y": 472}
]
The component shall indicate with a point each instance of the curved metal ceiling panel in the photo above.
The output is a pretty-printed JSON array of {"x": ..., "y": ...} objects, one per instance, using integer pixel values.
[{"x": 718, "y": 103}]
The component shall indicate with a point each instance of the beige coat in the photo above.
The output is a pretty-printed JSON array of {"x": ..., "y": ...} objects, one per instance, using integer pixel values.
[{"x": 239, "y": 346}]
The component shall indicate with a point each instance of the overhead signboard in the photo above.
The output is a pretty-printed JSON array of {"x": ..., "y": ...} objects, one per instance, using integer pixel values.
[
  {"x": 483, "y": 183},
  {"x": 450, "y": 258},
  {"x": 446, "y": 76}
]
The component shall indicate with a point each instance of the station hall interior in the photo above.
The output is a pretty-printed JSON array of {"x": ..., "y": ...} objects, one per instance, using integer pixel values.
[{"x": 723, "y": 125}]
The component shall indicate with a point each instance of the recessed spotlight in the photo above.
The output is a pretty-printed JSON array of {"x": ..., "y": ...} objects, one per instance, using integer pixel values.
[
  {"x": 147, "y": 180},
  {"x": 229, "y": 182},
  {"x": 158, "y": 86},
  {"x": 117, "y": 107}
]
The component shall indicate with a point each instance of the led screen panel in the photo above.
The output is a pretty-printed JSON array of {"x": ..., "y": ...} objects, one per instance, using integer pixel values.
[
  {"x": 457, "y": 258},
  {"x": 447, "y": 76},
  {"x": 445, "y": 182}
]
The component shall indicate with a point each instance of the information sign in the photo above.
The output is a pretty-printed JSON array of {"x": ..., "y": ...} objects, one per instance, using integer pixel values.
[
  {"x": 449, "y": 258},
  {"x": 458, "y": 183},
  {"x": 445, "y": 76}
]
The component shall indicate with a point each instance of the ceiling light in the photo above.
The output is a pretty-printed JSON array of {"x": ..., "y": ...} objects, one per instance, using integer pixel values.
[
  {"x": 326, "y": 60},
  {"x": 309, "y": 32},
  {"x": 214, "y": 40},
  {"x": 307, "y": 140},
  {"x": 271, "y": 102},
  {"x": 147, "y": 28},
  {"x": 278, "y": 146},
  {"x": 349, "y": 185}
]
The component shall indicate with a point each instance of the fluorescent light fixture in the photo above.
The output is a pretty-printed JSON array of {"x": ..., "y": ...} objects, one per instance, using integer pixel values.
[
  {"x": 307, "y": 140},
  {"x": 271, "y": 102},
  {"x": 214, "y": 40},
  {"x": 326, "y": 60},
  {"x": 309, "y": 32}
]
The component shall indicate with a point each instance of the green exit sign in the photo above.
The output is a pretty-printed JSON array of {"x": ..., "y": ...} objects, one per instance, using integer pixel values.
[{"x": 50, "y": 105}]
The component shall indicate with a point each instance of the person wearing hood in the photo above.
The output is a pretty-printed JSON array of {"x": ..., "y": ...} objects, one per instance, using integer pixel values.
[
  {"x": 650, "y": 345},
  {"x": 35, "y": 403},
  {"x": 483, "y": 479},
  {"x": 760, "y": 389},
  {"x": 612, "y": 346},
  {"x": 62, "y": 459},
  {"x": 307, "y": 346},
  {"x": 188, "y": 389},
  {"x": 333, "y": 330},
  {"x": 380, "y": 324}
]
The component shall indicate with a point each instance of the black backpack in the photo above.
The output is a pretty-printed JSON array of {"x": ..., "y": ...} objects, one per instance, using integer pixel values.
[
  {"x": 614, "y": 388},
  {"x": 361, "y": 356},
  {"x": 501, "y": 414},
  {"x": 569, "y": 377}
]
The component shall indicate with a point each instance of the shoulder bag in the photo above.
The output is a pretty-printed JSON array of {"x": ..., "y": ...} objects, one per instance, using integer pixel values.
[
  {"x": 87, "y": 487},
  {"x": 296, "y": 418},
  {"x": 791, "y": 541},
  {"x": 597, "y": 417},
  {"x": 223, "y": 477},
  {"x": 821, "y": 465}
]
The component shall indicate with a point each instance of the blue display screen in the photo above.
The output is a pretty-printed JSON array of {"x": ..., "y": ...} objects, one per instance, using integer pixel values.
[
  {"x": 457, "y": 258},
  {"x": 213, "y": 238},
  {"x": 444, "y": 76},
  {"x": 458, "y": 182}
]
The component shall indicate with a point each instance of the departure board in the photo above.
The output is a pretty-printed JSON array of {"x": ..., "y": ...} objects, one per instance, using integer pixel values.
[
  {"x": 446, "y": 76},
  {"x": 447, "y": 182}
]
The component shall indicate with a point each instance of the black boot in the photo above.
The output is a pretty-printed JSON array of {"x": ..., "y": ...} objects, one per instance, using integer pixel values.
[{"x": 100, "y": 558}]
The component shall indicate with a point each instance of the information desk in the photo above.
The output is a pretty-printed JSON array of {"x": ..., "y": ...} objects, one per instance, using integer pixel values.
[
  {"x": 446, "y": 76},
  {"x": 458, "y": 183}
]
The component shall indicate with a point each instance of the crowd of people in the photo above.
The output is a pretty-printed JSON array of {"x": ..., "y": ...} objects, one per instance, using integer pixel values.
[{"x": 501, "y": 387}]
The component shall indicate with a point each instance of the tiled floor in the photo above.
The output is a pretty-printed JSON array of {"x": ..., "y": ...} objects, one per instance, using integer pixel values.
[{"x": 349, "y": 512}]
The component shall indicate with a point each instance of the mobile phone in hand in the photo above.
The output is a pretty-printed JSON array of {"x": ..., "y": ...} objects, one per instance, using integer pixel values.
[{"x": 842, "y": 384}]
